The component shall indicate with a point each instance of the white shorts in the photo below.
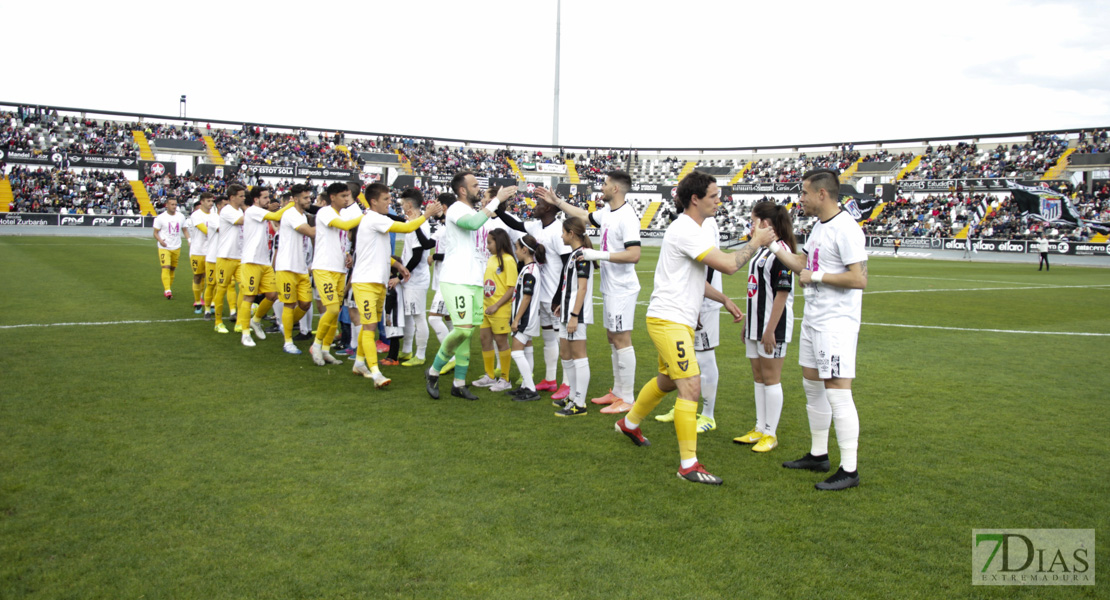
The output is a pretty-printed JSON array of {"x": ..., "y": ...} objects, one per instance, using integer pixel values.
[
  {"x": 754, "y": 349},
  {"x": 415, "y": 300},
  {"x": 522, "y": 337},
  {"x": 547, "y": 318},
  {"x": 619, "y": 312},
  {"x": 708, "y": 334},
  {"x": 832, "y": 353},
  {"x": 578, "y": 335},
  {"x": 439, "y": 307}
]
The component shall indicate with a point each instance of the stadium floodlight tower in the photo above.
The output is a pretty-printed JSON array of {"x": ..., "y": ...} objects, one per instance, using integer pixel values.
[
  {"x": 181, "y": 107},
  {"x": 555, "y": 111}
]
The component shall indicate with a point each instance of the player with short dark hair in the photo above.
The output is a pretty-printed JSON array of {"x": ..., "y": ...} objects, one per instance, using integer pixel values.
[
  {"x": 167, "y": 232},
  {"x": 680, "y": 285},
  {"x": 198, "y": 247},
  {"x": 833, "y": 268}
]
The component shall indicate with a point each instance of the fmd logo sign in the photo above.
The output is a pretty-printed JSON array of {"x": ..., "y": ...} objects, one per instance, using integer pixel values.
[{"x": 1033, "y": 557}]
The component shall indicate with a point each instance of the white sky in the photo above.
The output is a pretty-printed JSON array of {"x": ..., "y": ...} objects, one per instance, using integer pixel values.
[{"x": 646, "y": 74}]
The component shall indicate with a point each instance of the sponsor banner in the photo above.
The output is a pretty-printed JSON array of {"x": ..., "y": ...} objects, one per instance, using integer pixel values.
[
  {"x": 268, "y": 170},
  {"x": 528, "y": 166},
  {"x": 551, "y": 168},
  {"x": 976, "y": 185},
  {"x": 652, "y": 233},
  {"x": 378, "y": 157},
  {"x": 576, "y": 190},
  {"x": 28, "y": 157},
  {"x": 325, "y": 173},
  {"x": 443, "y": 181},
  {"x": 985, "y": 245},
  {"x": 793, "y": 187},
  {"x": 28, "y": 219},
  {"x": 211, "y": 170},
  {"x": 101, "y": 162},
  {"x": 156, "y": 168},
  {"x": 100, "y": 220}
]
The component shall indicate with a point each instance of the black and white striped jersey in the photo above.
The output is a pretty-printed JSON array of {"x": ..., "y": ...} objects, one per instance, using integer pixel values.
[
  {"x": 573, "y": 270},
  {"x": 766, "y": 277},
  {"x": 527, "y": 284}
]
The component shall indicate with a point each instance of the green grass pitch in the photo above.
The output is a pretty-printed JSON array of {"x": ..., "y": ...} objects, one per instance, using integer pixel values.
[{"x": 158, "y": 459}]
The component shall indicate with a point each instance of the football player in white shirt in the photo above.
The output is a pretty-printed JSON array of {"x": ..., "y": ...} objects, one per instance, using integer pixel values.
[
  {"x": 210, "y": 259},
  {"x": 548, "y": 232},
  {"x": 415, "y": 290},
  {"x": 373, "y": 258},
  {"x": 330, "y": 262},
  {"x": 833, "y": 269},
  {"x": 680, "y": 285},
  {"x": 257, "y": 271},
  {"x": 229, "y": 251},
  {"x": 462, "y": 278},
  {"x": 438, "y": 316},
  {"x": 294, "y": 284},
  {"x": 167, "y": 232},
  {"x": 198, "y": 247},
  {"x": 620, "y": 287}
]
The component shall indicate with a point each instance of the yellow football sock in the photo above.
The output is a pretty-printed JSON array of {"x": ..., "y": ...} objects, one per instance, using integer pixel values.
[
  {"x": 331, "y": 314},
  {"x": 488, "y": 359},
  {"x": 506, "y": 360},
  {"x": 198, "y": 288},
  {"x": 243, "y": 319},
  {"x": 368, "y": 346},
  {"x": 263, "y": 309},
  {"x": 167, "y": 279},
  {"x": 649, "y": 398},
  {"x": 289, "y": 318},
  {"x": 232, "y": 297},
  {"x": 172, "y": 274},
  {"x": 218, "y": 304},
  {"x": 210, "y": 295},
  {"x": 686, "y": 428}
]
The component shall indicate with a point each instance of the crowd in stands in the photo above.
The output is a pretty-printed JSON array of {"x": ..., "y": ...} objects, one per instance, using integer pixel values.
[
  {"x": 782, "y": 170},
  {"x": 1095, "y": 142},
  {"x": 255, "y": 145},
  {"x": 965, "y": 160},
  {"x": 57, "y": 190},
  {"x": 46, "y": 134}
]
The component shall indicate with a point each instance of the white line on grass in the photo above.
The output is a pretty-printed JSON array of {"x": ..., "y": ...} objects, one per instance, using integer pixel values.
[
  {"x": 883, "y": 276},
  {"x": 97, "y": 323},
  {"x": 1037, "y": 287},
  {"x": 1079, "y": 333}
]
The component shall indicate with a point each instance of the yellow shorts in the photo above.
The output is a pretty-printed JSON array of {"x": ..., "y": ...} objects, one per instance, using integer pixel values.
[
  {"x": 498, "y": 324},
  {"x": 168, "y": 258},
  {"x": 330, "y": 286},
  {"x": 369, "y": 299},
  {"x": 675, "y": 344},
  {"x": 257, "y": 279},
  {"x": 210, "y": 272},
  {"x": 294, "y": 287},
  {"x": 197, "y": 263},
  {"x": 227, "y": 271}
]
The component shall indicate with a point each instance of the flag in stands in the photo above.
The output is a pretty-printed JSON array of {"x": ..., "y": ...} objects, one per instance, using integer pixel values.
[
  {"x": 1043, "y": 204},
  {"x": 858, "y": 204}
]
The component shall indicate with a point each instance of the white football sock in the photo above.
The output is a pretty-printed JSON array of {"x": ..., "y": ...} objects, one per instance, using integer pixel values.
[
  {"x": 550, "y": 354},
  {"x": 530, "y": 354},
  {"x": 581, "y": 380},
  {"x": 760, "y": 405},
  {"x": 406, "y": 339},
  {"x": 568, "y": 374},
  {"x": 439, "y": 327},
  {"x": 626, "y": 365},
  {"x": 707, "y": 362},
  {"x": 524, "y": 368},
  {"x": 820, "y": 416},
  {"x": 772, "y": 396},
  {"x": 356, "y": 330},
  {"x": 421, "y": 335},
  {"x": 847, "y": 426},
  {"x": 305, "y": 324},
  {"x": 616, "y": 389}
]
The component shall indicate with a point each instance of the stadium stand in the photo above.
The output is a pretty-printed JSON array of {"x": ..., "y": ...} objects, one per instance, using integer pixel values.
[{"x": 59, "y": 181}]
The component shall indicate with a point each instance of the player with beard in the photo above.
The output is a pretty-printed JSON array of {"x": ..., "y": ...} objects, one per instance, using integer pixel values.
[
  {"x": 461, "y": 281},
  {"x": 619, "y": 226},
  {"x": 833, "y": 269}
]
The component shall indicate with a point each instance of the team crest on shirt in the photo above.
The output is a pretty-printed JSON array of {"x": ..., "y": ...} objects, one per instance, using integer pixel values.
[
  {"x": 461, "y": 314},
  {"x": 489, "y": 288},
  {"x": 683, "y": 364},
  {"x": 753, "y": 286}
]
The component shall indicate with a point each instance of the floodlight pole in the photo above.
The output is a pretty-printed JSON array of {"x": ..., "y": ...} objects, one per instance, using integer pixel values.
[{"x": 555, "y": 116}]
